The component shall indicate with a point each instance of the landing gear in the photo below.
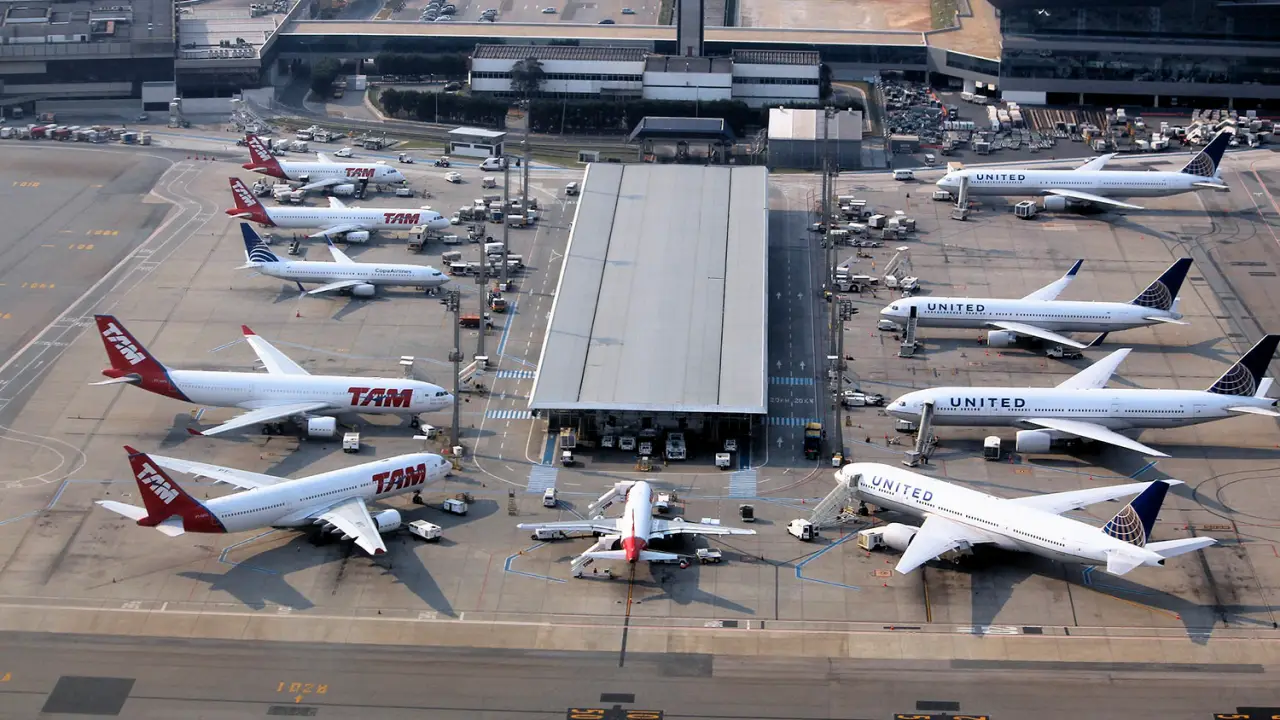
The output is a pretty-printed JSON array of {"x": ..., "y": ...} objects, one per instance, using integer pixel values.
[
  {"x": 414, "y": 422},
  {"x": 272, "y": 429},
  {"x": 417, "y": 499}
]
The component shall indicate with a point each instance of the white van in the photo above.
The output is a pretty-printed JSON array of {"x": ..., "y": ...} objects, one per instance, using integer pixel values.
[
  {"x": 492, "y": 163},
  {"x": 904, "y": 175}
]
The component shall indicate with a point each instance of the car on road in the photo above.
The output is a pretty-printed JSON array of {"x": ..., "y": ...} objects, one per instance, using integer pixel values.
[
  {"x": 343, "y": 152},
  {"x": 548, "y": 11},
  {"x": 452, "y": 86},
  {"x": 628, "y": 11},
  {"x": 448, "y": 10},
  {"x": 453, "y": 177},
  {"x": 606, "y": 21}
]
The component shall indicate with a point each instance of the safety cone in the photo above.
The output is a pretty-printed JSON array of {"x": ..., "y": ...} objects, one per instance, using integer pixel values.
[{"x": 297, "y": 313}]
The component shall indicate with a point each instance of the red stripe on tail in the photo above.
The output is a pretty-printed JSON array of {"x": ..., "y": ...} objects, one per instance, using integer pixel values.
[
  {"x": 164, "y": 498},
  {"x": 129, "y": 357},
  {"x": 247, "y": 203},
  {"x": 262, "y": 161}
]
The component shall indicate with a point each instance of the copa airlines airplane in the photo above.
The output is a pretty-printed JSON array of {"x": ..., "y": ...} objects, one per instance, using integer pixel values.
[
  {"x": 338, "y": 220},
  {"x": 634, "y": 529},
  {"x": 1089, "y": 184},
  {"x": 1083, "y": 407},
  {"x": 315, "y": 175},
  {"x": 333, "y": 502},
  {"x": 1039, "y": 314},
  {"x": 341, "y": 275},
  {"x": 956, "y": 519},
  {"x": 284, "y": 391}
]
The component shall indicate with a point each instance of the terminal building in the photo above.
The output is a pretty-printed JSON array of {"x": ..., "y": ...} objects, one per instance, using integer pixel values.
[
  {"x": 799, "y": 139},
  {"x": 660, "y": 315}
]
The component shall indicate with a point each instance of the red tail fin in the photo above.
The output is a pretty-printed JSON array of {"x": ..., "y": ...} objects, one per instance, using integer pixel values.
[
  {"x": 129, "y": 357},
  {"x": 164, "y": 498},
  {"x": 261, "y": 158},
  {"x": 247, "y": 204}
]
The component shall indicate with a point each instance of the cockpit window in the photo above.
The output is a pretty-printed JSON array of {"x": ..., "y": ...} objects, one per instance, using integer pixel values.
[{"x": 893, "y": 307}]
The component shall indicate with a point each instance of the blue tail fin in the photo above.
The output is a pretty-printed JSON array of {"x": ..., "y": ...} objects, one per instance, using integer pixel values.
[
  {"x": 255, "y": 250},
  {"x": 1134, "y": 521},
  {"x": 1161, "y": 293},
  {"x": 1246, "y": 376},
  {"x": 1206, "y": 162}
]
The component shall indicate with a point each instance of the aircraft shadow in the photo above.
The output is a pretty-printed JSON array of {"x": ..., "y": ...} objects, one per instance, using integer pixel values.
[{"x": 682, "y": 588}]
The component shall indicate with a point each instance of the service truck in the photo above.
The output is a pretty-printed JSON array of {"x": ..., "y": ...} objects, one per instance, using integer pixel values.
[
  {"x": 425, "y": 530},
  {"x": 812, "y": 440}
]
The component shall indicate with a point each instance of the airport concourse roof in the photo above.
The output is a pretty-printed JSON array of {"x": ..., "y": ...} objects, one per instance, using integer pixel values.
[{"x": 661, "y": 304}]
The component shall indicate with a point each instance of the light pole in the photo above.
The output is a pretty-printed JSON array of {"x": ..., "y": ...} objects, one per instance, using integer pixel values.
[
  {"x": 453, "y": 303},
  {"x": 506, "y": 208}
]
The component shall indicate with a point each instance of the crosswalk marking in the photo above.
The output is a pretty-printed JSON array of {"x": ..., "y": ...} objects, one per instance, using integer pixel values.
[
  {"x": 790, "y": 381},
  {"x": 777, "y": 421},
  {"x": 542, "y": 477},
  {"x": 509, "y": 415},
  {"x": 515, "y": 374},
  {"x": 742, "y": 484}
]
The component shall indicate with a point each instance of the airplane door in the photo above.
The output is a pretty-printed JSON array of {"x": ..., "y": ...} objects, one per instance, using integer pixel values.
[
  {"x": 1117, "y": 410},
  {"x": 1198, "y": 410}
]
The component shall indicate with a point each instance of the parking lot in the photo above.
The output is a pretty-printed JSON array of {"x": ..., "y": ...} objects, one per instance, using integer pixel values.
[{"x": 643, "y": 12}]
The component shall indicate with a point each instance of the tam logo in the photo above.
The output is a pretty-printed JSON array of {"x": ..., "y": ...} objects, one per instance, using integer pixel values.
[
  {"x": 158, "y": 483},
  {"x": 360, "y": 172},
  {"x": 244, "y": 198},
  {"x": 399, "y": 479},
  {"x": 123, "y": 344},
  {"x": 380, "y": 397},
  {"x": 259, "y": 147},
  {"x": 401, "y": 218}
]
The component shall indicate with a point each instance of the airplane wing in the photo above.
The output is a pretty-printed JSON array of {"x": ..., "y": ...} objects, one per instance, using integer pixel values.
[
  {"x": 339, "y": 285},
  {"x": 338, "y": 255},
  {"x": 936, "y": 536},
  {"x": 276, "y": 362},
  {"x": 663, "y": 528},
  {"x": 351, "y": 516},
  {"x": 321, "y": 184},
  {"x": 262, "y": 415},
  {"x": 1033, "y": 331},
  {"x": 1055, "y": 288},
  {"x": 1091, "y": 198},
  {"x": 1120, "y": 562},
  {"x": 1058, "y": 503},
  {"x": 336, "y": 204},
  {"x": 321, "y": 157},
  {"x": 1211, "y": 186},
  {"x": 1096, "y": 375},
  {"x": 337, "y": 229},
  {"x": 242, "y": 479},
  {"x": 600, "y": 525},
  {"x": 1097, "y": 163},
  {"x": 1254, "y": 411},
  {"x": 1091, "y": 431},
  {"x": 1169, "y": 320}
]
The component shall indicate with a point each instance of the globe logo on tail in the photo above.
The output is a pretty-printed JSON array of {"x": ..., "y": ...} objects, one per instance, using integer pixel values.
[
  {"x": 1201, "y": 165},
  {"x": 1156, "y": 296},
  {"x": 1236, "y": 381},
  {"x": 1126, "y": 526}
]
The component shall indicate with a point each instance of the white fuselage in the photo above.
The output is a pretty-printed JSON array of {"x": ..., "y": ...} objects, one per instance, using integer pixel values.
[
  {"x": 365, "y": 218},
  {"x": 1014, "y": 182},
  {"x": 1011, "y": 526},
  {"x": 347, "y": 172},
  {"x": 292, "y": 503},
  {"x": 369, "y": 273},
  {"x": 1062, "y": 315},
  {"x": 636, "y": 523},
  {"x": 1118, "y": 409},
  {"x": 355, "y": 394}
]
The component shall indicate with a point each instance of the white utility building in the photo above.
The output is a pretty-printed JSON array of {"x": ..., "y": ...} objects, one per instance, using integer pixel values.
[
  {"x": 571, "y": 71},
  {"x": 688, "y": 78},
  {"x": 770, "y": 77}
]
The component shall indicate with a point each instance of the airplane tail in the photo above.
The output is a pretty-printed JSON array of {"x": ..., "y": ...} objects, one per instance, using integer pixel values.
[
  {"x": 1206, "y": 163},
  {"x": 1163, "y": 293},
  {"x": 130, "y": 361},
  {"x": 256, "y": 252},
  {"x": 261, "y": 158},
  {"x": 165, "y": 499},
  {"x": 1134, "y": 521},
  {"x": 1174, "y": 548},
  {"x": 247, "y": 205},
  {"x": 1247, "y": 376}
]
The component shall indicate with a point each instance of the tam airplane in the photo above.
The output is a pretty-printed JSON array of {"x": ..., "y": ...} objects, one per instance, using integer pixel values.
[
  {"x": 341, "y": 275},
  {"x": 1089, "y": 184},
  {"x": 315, "y": 175},
  {"x": 338, "y": 220},
  {"x": 627, "y": 537},
  {"x": 333, "y": 502},
  {"x": 956, "y": 519},
  {"x": 286, "y": 390},
  {"x": 1083, "y": 407},
  {"x": 1040, "y": 314}
]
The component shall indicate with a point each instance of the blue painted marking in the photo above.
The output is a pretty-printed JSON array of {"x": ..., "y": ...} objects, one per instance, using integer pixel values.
[
  {"x": 58, "y": 495},
  {"x": 1145, "y": 468},
  {"x": 744, "y": 456},
  {"x": 506, "y": 328},
  {"x": 227, "y": 345},
  {"x": 20, "y": 517},
  {"x": 790, "y": 381},
  {"x": 509, "y": 415},
  {"x": 549, "y": 452},
  {"x": 506, "y": 566},
  {"x": 1086, "y": 576},
  {"x": 800, "y": 567},
  {"x": 223, "y": 557}
]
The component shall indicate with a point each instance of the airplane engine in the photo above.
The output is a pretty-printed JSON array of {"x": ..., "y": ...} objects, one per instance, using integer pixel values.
[
  {"x": 344, "y": 189},
  {"x": 357, "y": 236},
  {"x": 364, "y": 290},
  {"x": 322, "y": 427},
  {"x": 898, "y": 536},
  {"x": 1033, "y": 441},
  {"x": 1056, "y": 203},
  {"x": 388, "y": 521},
  {"x": 1001, "y": 338}
]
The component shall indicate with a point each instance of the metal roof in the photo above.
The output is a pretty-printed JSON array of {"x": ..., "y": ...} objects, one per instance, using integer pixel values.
[
  {"x": 559, "y": 52},
  {"x": 789, "y": 124},
  {"x": 661, "y": 303},
  {"x": 478, "y": 133},
  {"x": 777, "y": 57},
  {"x": 681, "y": 128},
  {"x": 681, "y": 64}
]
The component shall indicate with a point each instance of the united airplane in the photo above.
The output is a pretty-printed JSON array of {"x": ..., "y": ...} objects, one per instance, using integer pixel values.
[
  {"x": 333, "y": 502},
  {"x": 348, "y": 223},
  {"x": 286, "y": 390},
  {"x": 1041, "y": 315},
  {"x": 957, "y": 519},
  {"x": 1083, "y": 407},
  {"x": 342, "y": 275},
  {"x": 1089, "y": 184},
  {"x": 316, "y": 175}
]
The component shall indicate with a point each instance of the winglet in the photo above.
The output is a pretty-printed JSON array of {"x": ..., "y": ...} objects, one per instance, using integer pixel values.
[
  {"x": 245, "y": 329},
  {"x": 193, "y": 431},
  {"x": 1075, "y": 268},
  {"x": 1097, "y": 342}
]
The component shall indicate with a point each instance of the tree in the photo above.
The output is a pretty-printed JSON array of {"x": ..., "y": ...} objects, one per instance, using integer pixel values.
[
  {"x": 392, "y": 101},
  {"x": 323, "y": 75},
  {"x": 527, "y": 77}
]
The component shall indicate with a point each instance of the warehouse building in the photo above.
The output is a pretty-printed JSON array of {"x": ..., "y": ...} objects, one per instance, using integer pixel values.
[
  {"x": 796, "y": 139},
  {"x": 660, "y": 312}
]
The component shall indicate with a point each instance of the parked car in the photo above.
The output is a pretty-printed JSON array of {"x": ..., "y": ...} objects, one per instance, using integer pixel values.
[
  {"x": 606, "y": 21},
  {"x": 628, "y": 11},
  {"x": 448, "y": 10},
  {"x": 548, "y": 11},
  {"x": 453, "y": 177},
  {"x": 452, "y": 86}
]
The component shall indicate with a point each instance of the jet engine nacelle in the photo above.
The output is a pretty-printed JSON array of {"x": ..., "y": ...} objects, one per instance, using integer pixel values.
[
  {"x": 1033, "y": 441},
  {"x": 364, "y": 290},
  {"x": 1056, "y": 203},
  {"x": 357, "y": 236},
  {"x": 1001, "y": 338},
  {"x": 898, "y": 536},
  {"x": 344, "y": 189},
  {"x": 388, "y": 521},
  {"x": 322, "y": 427}
]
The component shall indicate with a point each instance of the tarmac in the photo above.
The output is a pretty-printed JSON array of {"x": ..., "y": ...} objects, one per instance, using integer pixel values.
[{"x": 781, "y": 629}]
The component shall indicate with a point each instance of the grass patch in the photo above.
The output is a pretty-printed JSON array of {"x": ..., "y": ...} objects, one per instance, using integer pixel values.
[{"x": 943, "y": 13}]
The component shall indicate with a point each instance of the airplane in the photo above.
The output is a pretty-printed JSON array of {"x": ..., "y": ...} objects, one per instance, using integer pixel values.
[
  {"x": 1083, "y": 407},
  {"x": 315, "y": 175},
  {"x": 1040, "y": 314},
  {"x": 634, "y": 529},
  {"x": 338, "y": 220},
  {"x": 341, "y": 275},
  {"x": 956, "y": 519},
  {"x": 331, "y": 502},
  {"x": 1089, "y": 184},
  {"x": 284, "y": 391}
]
